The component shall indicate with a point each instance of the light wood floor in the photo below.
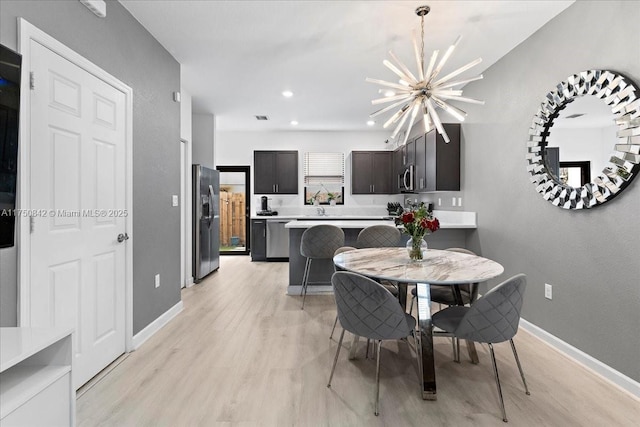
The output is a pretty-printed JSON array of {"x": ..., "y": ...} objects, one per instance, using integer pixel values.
[{"x": 243, "y": 353}]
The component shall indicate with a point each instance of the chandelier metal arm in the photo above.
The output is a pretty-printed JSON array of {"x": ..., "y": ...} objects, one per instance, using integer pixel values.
[
  {"x": 458, "y": 71},
  {"x": 387, "y": 108},
  {"x": 391, "y": 98},
  {"x": 404, "y": 68},
  {"x": 395, "y": 69}
]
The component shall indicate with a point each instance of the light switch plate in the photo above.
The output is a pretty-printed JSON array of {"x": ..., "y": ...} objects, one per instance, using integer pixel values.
[{"x": 174, "y": 200}]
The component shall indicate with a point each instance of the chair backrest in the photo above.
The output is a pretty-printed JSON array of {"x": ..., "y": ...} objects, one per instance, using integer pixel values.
[
  {"x": 470, "y": 289},
  {"x": 378, "y": 236},
  {"x": 367, "y": 309},
  {"x": 321, "y": 241},
  {"x": 495, "y": 317},
  {"x": 339, "y": 251}
]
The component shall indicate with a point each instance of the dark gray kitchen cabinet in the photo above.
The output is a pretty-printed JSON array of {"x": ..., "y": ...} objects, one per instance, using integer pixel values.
[
  {"x": 420, "y": 178},
  {"x": 371, "y": 172},
  {"x": 409, "y": 150},
  {"x": 442, "y": 160},
  {"x": 258, "y": 240},
  {"x": 397, "y": 171},
  {"x": 275, "y": 172}
]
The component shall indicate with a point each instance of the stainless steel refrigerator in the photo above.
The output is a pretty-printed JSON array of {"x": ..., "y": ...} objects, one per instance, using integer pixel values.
[{"x": 206, "y": 221}]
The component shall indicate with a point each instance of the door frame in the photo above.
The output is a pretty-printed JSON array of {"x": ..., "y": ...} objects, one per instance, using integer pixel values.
[
  {"x": 27, "y": 33},
  {"x": 186, "y": 215},
  {"x": 247, "y": 198}
]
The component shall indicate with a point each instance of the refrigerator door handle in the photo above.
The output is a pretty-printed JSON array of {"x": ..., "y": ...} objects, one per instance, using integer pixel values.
[{"x": 211, "y": 213}]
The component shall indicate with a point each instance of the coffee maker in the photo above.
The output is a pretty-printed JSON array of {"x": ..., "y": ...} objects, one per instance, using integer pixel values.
[{"x": 264, "y": 207}]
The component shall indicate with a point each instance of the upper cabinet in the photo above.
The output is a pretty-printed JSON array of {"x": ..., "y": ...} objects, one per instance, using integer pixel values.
[
  {"x": 442, "y": 161},
  {"x": 435, "y": 164},
  {"x": 275, "y": 172},
  {"x": 371, "y": 172}
]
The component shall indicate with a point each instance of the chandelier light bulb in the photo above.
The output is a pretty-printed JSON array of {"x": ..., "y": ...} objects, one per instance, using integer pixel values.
[{"x": 424, "y": 93}]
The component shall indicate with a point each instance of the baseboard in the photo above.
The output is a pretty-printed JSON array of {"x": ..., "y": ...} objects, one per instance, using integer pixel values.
[
  {"x": 190, "y": 282},
  {"x": 153, "y": 327},
  {"x": 311, "y": 290},
  {"x": 608, "y": 373}
]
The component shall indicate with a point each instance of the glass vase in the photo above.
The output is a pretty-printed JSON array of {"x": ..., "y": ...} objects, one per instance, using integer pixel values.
[{"x": 417, "y": 248}]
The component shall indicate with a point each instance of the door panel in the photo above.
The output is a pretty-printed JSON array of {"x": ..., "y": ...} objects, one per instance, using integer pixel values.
[{"x": 77, "y": 182}]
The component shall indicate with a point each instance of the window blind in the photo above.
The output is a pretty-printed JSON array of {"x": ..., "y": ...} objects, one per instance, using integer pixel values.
[{"x": 324, "y": 168}]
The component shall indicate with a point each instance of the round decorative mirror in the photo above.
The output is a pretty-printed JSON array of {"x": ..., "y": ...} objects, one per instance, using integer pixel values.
[{"x": 593, "y": 151}]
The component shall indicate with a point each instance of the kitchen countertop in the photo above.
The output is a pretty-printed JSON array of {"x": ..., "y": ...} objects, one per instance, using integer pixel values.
[
  {"x": 354, "y": 223},
  {"x": 448, "y": 220}
]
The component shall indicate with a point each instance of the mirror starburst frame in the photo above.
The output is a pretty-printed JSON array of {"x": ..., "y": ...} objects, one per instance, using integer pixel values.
[
  {"x": 425, "y": 93},
  {"x": 623, "y": 97}
]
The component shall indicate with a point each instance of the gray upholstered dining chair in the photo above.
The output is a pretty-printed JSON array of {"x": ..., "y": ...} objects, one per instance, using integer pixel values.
[
  {"x": 367, "y": 309},
  {"x": 378, "y": 236},
  {"x": 336, "y": 268},
  {"x": 492, "y": 319},
  {"x": 318, "y": 242}
]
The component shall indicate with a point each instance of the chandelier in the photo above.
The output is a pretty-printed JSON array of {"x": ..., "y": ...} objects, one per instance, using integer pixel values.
[{"x": 426, "y": 92}]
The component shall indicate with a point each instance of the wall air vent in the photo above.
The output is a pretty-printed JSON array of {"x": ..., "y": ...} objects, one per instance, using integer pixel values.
[{"x": 262, "y": 118}]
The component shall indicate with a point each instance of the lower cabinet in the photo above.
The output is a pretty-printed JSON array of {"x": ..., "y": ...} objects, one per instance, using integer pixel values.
[{"x": 258, "y": 240}]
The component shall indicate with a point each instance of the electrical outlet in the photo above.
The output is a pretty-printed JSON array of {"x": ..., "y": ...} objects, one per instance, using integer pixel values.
[
  {"x": 157, "y": 281},
  {"x": 453, "y": 201},
  {"x": 459, "y": 201},
  {"x": 439, "y": 201},
  {"x": 174, "y": 200},
  {"x": 548, "y": 291}
]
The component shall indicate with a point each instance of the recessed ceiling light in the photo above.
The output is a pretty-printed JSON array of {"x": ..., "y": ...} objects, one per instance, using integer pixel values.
[
  {"x": 287, "y": 94},
  {"x": 294, "y": 122},
  {"x": 370, "y": 123}
]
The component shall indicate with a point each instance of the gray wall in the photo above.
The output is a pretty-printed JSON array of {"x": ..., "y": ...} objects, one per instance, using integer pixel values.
[
  {"x": 203, "y": 130},
  {"x": 122, "y": 47},
  {"x": 590, "y": 257}
]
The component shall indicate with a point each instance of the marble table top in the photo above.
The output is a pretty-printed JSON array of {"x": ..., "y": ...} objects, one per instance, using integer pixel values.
[{"x": 438, "y": 267}]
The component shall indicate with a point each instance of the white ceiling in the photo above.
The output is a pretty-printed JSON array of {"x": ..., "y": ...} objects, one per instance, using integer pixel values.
[{"x": 238, "y": 56}]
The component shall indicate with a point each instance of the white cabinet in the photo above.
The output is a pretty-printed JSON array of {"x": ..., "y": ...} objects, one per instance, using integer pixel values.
[{"x": 36, "y": 386}]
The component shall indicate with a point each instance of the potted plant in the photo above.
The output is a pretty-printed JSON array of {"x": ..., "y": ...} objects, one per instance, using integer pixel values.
[
  {"x": 333, "y": 198},
  {"x": 313, "y": 200}
]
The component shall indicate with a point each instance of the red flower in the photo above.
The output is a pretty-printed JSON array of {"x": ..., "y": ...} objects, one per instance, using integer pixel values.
[
  {"x": 433, "y": 224},
  {"x": 407, "y": 217}
]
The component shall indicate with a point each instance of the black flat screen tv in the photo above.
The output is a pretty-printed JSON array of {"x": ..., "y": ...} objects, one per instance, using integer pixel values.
[{"x": 10, "y": 68}]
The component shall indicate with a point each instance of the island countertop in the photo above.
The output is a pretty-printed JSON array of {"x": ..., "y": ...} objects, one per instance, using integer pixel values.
[{"x": 354, "y": 223}]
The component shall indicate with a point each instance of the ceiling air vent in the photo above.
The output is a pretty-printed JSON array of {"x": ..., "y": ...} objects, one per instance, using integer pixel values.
[
  {"x": 575, "y": 116},
  {"x": 262, "y": 118}
]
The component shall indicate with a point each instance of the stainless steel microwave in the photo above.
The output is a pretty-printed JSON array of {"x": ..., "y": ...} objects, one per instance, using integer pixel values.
[{"x": 406, "y": 180}]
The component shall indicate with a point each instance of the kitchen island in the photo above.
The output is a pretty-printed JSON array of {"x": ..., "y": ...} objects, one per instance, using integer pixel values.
[{"x": 454, "y": 227}]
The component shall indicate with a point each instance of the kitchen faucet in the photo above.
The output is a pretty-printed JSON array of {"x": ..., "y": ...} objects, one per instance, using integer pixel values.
[{"x": 321, "y": 211}]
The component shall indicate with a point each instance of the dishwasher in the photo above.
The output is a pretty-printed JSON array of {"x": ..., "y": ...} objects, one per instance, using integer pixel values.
[{"x": 277, "y": 239}]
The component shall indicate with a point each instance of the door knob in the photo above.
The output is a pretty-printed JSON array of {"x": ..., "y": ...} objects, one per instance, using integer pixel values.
[{"x": 122, "y": 237}]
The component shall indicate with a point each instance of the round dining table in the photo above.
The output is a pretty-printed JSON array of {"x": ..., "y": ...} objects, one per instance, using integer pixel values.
[{"x": 438, "y": 267}]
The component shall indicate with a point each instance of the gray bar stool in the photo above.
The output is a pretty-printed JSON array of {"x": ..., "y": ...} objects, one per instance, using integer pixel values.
[{"x": 318, "y": 242}]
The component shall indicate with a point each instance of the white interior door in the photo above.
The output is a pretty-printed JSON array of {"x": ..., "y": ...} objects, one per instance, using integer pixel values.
[{"x": 78, "y": 201}]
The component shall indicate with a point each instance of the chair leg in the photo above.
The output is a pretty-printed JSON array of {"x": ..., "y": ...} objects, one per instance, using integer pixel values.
[
  {"x": 305, "y": 281},
  {"x": 335, "y": 360},
  {"x": 455, "y": 342},
  {"x": 378, "y": 377},
  {"x": 495, "y": 372},
  {"x": 335, "y": 322},
  {"x": 413, "y": 300},
  {"x": 515, "y": 354}
]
